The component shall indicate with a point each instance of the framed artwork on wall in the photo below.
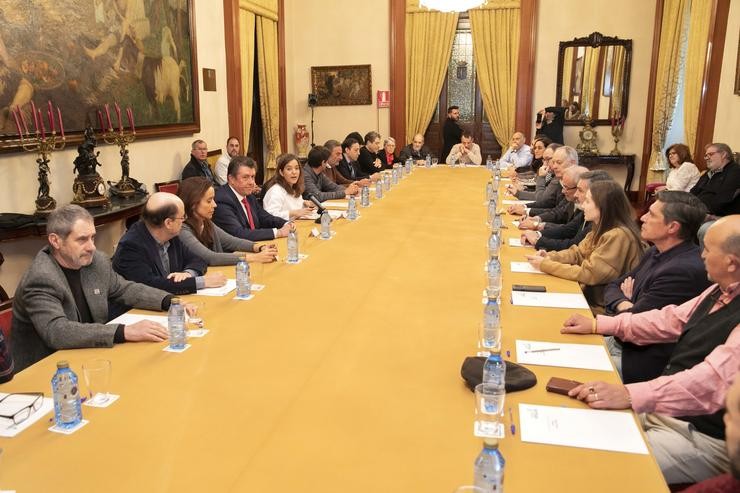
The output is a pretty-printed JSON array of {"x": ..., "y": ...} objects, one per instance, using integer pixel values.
[
  {"x": 342, "y": 85},
  {"x": 83, "y": 54}
]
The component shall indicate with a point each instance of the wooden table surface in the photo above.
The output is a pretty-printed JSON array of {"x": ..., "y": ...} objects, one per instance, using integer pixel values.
[{"x": 343, "y": 375}]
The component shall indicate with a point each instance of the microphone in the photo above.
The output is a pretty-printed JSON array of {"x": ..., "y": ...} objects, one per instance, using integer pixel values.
[{"x": 319, "y": 208}]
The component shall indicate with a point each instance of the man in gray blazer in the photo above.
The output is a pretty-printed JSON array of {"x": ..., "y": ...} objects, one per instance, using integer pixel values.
[{"x": 62, "y": 300}]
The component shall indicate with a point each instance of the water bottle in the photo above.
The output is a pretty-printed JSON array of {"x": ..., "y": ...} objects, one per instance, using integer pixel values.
[
  {"x": 325, "y": 225},
  {"x": 386, "y": 182},
  {"x": 496, "y": 182},
  {"x": 497, "y": 222},
  {"x": 489, "y": 467},
  {"x": 491, "y": 322},
  {"x": 428, "y": 161},
  {"x": 489, "y": 163},
  {"x": 351, "y": 209},
  {"x": 494, "y": 277},
  {"x": 379, "y": 189},
  {"x": 490, "y": 191},
  {"x": 66, "y": 392},
  {"x": 497, "y": 169},
  {"x": 453, "y": 161},
  {"x": 394, "y": 176},
  {"x": 292, "y": 246},
  {"x": 492, "y": 206},
  {"x": 243, "y": 284},
  {"x": 176, "y": 324},
  {"x": 409, "y": 165},
  {"x": 365, "y": 197},
  {"x": 494, "y": 244},
  {"x": 494, "y": 370}
]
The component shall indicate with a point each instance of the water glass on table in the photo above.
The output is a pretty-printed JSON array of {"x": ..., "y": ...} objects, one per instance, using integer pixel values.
[
  {"x": 489, "y": 409},
  {"x": 97, "y": 375},
  {"x": 195, "y": 323}
]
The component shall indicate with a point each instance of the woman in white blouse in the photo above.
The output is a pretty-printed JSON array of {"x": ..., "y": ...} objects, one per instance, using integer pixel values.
[
  {"x": 683, "y": 174},
  {"x": 284, "y": 198}
]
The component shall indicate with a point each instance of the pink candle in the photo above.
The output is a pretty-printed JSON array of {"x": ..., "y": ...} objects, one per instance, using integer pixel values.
[
  {"x": 35, "y": 117},
  {"x": 61, "y": 125},
  {"x": 51, "y": 118},
  {"x": 17, "y": 122},
  {"x": 23, "y": 120},
  {"x": 130, "y": 114},
  {"x": 118, "y": 114},
  {"x": 41, "y": 124},
  {"x": 107, "y": 114}
]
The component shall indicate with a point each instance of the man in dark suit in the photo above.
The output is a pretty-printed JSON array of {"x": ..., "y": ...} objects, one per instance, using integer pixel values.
[
  {"x": 151, "y": 253},
  {"x": 719, "y": 187},
  {"x": 62, "y": 301},
  {"x": 238, "y": 212},
  {"x": 369, "y": 160},
  {"x": 198, "y": 166},
  {"x": 416, "y": 150},
  {"x": 451, "y": 131},
  {"x": 348, "y": 166},
  {"x": 670, "y": 273}
]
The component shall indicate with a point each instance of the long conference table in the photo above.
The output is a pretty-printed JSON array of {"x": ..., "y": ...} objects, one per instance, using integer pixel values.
[{"x": 342, "y": 375}]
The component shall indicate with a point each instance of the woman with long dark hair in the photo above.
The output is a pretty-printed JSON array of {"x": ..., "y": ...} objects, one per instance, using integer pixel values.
[
  {"x": 612, "y": 248},
  {"x": 204, "y": 238},
  {"x": 284, "y": 196}
]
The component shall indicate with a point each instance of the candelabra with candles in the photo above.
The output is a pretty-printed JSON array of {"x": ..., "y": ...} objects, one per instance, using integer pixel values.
[
  {"x": 122, "y": 138},
  {"x": 43, "y": 144},
  {"x": 617, "y": 129}
]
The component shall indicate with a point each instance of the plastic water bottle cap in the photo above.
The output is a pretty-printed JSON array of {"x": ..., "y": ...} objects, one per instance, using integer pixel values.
[{"x": 62, "y": 364}]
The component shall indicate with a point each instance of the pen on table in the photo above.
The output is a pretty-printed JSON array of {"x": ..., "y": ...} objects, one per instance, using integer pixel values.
[
  {"x": 543, "y": 350},
  {"x": 513, "y": 426}
]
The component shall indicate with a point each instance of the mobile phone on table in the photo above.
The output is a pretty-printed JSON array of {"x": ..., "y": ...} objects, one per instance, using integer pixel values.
[
  {"x": 561, "y": 385},
  {"x": 529, "y": 288}
]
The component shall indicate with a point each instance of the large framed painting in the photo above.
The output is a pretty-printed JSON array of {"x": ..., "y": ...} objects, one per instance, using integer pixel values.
[
  {"x": 342, "y": 85},
  {"x": 83, "y": 54}
]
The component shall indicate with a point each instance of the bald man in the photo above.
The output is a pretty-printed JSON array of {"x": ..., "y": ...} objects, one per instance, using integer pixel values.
[
  {"x": 519, "y": 155},
  {"x": 416, "y": 150},
  {"x": 151, "y": 253},
  {"x": 62, "y": 301},
  {"x": 685, "y": 405}
]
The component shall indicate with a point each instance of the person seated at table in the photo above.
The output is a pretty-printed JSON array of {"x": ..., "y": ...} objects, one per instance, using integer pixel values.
[
  {"x": 416, "y": 150},
  {"x": 612, "y": 248},
  {"x": 466, "y": 152},
  {"x": 369, "y": 160},
  {"x": 670, "y": 273},
  {"x": 682, "y": 408},
  {"x": 683, "y": 173},
  {"x": 238, "y": 212},
  {"x": 198, "y": 165},
  {"x": 151, "y": 251},
  {"x": 348, "y": 166},
  {"x": 316, "y": 183},
  {"x": 284, "y": 196},
  {"x": 542, "y": 181},
  {"x": 330, "y": 168},
  {"x": 539, "y": 145},
  {"x": 205, "y": 239},
  {"x": 564, "y": 211},
  {"x": 222, "y": 165},
  {"x": 62, "y": 301},
  {"x": 387, "y": 154},
  {"x": 563, "y": 158},
  {"x": 558, "y": 237},
  {"x": 718, "y": 187},
  {"x": 518, "y": 155}
]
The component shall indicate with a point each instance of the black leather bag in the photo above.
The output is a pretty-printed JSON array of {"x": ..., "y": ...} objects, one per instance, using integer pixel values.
[{"x": 517, "y": 376}]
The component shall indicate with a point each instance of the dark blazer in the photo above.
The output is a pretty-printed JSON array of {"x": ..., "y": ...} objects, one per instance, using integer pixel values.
[
  {"x": 367, "y": 160},
  {"x": 563, "y": 236},
  {"x": 721, "y": 193},
  {"x": 194, "y": 168},
  {"x": 409, "y": 152},
  {"x": 230, "y": 217},
  {"x": 661, "y": 279},
  {"x": 554, "y": 130},
  {"x": 137, "y": 259},
  {"x": 551, "y": 196},
  {"x": 561, "y": 213},
  {"x": 350, "y": 171},
  {"x": 451, "y": 134}
]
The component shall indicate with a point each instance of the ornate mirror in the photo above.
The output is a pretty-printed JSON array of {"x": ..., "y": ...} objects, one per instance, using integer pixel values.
[{"x": 594, "y": 78}]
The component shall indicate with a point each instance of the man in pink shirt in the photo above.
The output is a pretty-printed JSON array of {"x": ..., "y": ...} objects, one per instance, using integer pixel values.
[{"x": 685, "y": 405}]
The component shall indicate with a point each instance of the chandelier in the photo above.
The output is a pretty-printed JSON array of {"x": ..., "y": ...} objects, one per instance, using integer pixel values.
[{"x": 451, "y": 5}]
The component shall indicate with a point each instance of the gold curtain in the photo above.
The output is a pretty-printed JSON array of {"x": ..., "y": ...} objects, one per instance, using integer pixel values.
[
  {"x": 247, "y": 22},
  {"x": 267, "y": 66},
  {"x": 429, "y": 37},
  {"x": 666, "y": 84},
  {"x": 567, "y": 81},
  {"x": 696, "y": 51},
  {"x": 619, "y": 57},
  {"x": 590, "y": 91},
  {"x": 496, "y": 54}
]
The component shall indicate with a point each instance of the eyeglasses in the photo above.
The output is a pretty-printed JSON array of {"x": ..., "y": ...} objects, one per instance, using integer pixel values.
[
  {"x": 710, "y": 154},
  {"x": 183, "y": 218},
  {"x": 19, "y": 416},
  {"x": 562, "y": 185}
]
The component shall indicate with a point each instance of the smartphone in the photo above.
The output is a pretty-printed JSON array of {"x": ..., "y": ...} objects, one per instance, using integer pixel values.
[
  {"x": 530, "y": 289},
  {"x": 539, "y": 117},
  {"x": 561, "y": 385}
]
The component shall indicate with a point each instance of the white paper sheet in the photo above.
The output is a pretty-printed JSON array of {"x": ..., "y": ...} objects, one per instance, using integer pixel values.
[
  {"x": 583, "y": 428},
  {"x": 132, "y": 318},
  {"x": 335, "y": 204},
  {"x": 524, "y": 267},
  {"x": 516, "y": 202},
  {"x": 549, "y": 300},
  {"x": 583, "y": 356},
  {"x": 222, "y": 291},
  {"x": 516, "y": 242},
  {"x": 14, "y": 404}
]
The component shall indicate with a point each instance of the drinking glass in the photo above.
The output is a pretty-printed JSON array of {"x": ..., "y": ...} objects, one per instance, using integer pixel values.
[
  {"x": 489, "y": 407},
  {"x": 97, "y": 374},
  {"x": 490, "y": 338},
  {"x": 195, "y": 323},
  {"x": 435, "y": 161}
]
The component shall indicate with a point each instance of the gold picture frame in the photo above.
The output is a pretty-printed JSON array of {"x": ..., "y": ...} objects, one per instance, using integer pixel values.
[{"x": 342, "y": 85}]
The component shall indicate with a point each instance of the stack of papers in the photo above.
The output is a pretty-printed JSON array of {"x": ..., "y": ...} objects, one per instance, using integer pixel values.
[
  {"x": 524, "y": 267},
  {"x": 517, "y": 202},
  {"x": 583, "y": 428},
  {"x": 335, "y": 204},
  {"x": 549, "y": 300},
  {"x": 583, "y": 356},
  {"x": 222, "y": 291}
]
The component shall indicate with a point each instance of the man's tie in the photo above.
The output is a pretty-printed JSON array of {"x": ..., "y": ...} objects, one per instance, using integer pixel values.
[{"x": 249, "y": 212}]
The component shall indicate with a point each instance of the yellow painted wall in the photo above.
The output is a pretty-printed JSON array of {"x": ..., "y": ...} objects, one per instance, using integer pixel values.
[
  {"x": 152, "y": 160},
  {"x": 563, "y": 20},
  {"x": 335, "y": 32},
  {"x": 727, "y": 122}
]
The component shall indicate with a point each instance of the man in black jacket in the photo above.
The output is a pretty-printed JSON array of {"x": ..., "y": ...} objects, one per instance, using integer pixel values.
[
  {"x": 451, "y": 132},
  {"x": 719, "y": 187},
  {"x": 198, "y": 166}
]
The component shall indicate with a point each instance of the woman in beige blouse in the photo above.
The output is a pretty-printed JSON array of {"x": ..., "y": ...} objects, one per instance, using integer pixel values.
[
  {"x": 611, "y": 249},
  {"x": 683, "y": 174}
]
